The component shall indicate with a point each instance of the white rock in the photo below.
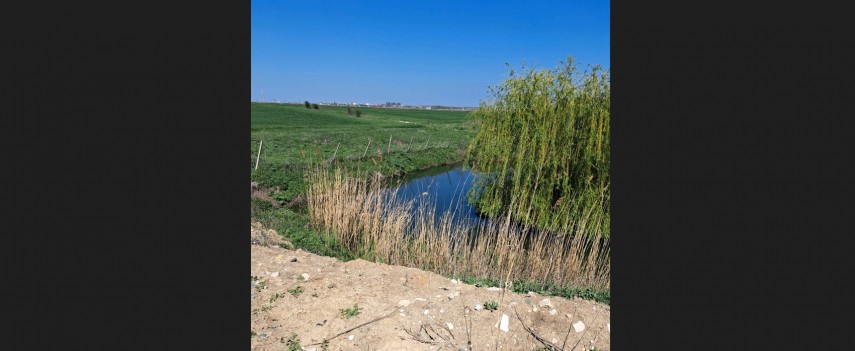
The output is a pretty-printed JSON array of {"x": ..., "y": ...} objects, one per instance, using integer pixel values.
[
  {"x": 426, "y": 312},
  {"x": 441, "y": 310},
  {"x": 305, "y": 276},
  {"x": 493, "y": 288},
  {"x": 545, "y": 303},
  {"x": 609, "y": 327},
  {"x": 453, "y": 294},
  {"x": 535, "y": 309},
  {"x": 503, "y": 325},
  {"x": 478, "y": 306},
  {"x": 553, "y": 311},
  {"x": 449, "y": 325},
  {"x": 419, "y": 299},
  {"x": 579, "y": 326},
  {"x": 350, "y": 337},
  {"x": 554, "y": 340},
  {"x": 401, "y": 314},
  {"x": 274, "y": 274},
  {"x": 404, "y": 303}
]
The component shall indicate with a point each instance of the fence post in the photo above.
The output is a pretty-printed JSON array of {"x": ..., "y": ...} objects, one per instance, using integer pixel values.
[
  {"x": 259, "y": 154},
  {"x": 366, "y": 148}
]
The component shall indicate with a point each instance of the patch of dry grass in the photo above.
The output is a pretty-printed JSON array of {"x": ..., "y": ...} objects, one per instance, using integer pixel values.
[{"x": 371, "y": 222}]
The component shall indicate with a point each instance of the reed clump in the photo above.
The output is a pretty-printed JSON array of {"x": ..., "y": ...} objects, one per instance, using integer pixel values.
[{"x": 356, "y": 211}]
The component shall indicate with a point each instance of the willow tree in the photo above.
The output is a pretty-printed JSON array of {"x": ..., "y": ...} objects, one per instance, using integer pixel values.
[{"x": 543, "y": 150}]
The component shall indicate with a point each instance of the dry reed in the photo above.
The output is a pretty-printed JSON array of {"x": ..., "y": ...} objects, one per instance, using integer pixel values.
[{"x": 370, "y": 221}]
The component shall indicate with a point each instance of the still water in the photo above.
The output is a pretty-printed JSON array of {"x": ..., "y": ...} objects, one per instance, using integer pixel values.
[{"x": 442, "y": 188}]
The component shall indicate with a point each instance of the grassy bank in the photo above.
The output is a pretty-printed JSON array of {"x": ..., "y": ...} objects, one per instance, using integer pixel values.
[{"x": 390, "y": 141}]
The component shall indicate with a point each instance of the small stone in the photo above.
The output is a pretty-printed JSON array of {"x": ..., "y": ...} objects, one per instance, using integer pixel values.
[
  {"x": 293, "y": 259},
  {"x": 441, "y": 310},
  {"x": 554, "y": 340},
  {"x": 350, "y": 338},
  {"x": 530, "y": 294},
  {"x": 478, "y": 306},
  {"x": 262, "y": 336},
  {"x": 535, "y": 309},
  {"x": 453, "y": 294},
  {"x": 503, "y": 324},
  {"x": 545, "y": 303},
  {"x": 404, "y": 303},
  {"x": 305, "y": 276},
  {"x": 401, "y": 314},
  {"x": 553, "y": 311},
  {"x": 579, "y": 326},
  {"x": 609, "y": 327},
  {"x": 426, "y": 312},
  {"x": 274, "y": 274},
  {"x": 449, "y": 325},
  {"x": 493, "y": 288},
  {"x": 419, "y": 299}
]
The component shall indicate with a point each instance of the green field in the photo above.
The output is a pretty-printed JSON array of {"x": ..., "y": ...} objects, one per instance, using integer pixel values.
[{"x": 294, "y": 136}]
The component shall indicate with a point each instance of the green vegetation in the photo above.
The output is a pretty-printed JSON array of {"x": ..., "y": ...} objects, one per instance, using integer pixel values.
[
  {"x": 544, "y": 142},
  {"x": 546, "y": 289},
  {"x": 294, "y": 137},
  {"x": 275, "y": 297},
  {"x": 296, "y": 291},
  {"x": 293, "y": 342},
  {"x": 491, "y": 305},
  {"x": 350, "y": 312}
]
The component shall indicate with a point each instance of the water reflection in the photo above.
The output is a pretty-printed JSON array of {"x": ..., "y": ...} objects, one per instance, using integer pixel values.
[{"x": 441, "y": 189}]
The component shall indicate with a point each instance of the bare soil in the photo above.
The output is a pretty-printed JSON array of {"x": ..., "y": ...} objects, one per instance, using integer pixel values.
[{"x": 401, "y": 308}]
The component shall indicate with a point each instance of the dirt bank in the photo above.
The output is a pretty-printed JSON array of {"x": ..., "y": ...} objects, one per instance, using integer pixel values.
[{"x": 299, "y": 297}]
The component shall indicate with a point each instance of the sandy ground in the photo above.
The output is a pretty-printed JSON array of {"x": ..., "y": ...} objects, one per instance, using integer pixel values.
[{"x": 402, "y": 308}]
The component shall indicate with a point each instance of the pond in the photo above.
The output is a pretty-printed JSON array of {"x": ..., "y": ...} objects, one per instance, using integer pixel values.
[{"x": 442, "y": 188}]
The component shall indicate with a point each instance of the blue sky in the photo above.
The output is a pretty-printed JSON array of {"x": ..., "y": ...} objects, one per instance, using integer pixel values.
[{"x": 415, "y": 52}]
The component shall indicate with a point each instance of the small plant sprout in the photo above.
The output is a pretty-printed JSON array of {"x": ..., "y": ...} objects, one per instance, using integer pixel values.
[
  {"x": 296, "y": 291},
  {"x": 350, "y": 312}
]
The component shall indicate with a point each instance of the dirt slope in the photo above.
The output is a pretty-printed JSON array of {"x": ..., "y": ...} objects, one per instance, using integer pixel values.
[{"x": 403, "y": 309}]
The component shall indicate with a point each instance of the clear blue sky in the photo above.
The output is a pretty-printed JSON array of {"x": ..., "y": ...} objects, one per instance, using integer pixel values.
[{"x": 415, "y": 52}]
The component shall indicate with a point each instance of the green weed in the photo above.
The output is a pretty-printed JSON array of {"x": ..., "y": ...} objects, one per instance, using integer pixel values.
[{"x": 350, "y": 312}]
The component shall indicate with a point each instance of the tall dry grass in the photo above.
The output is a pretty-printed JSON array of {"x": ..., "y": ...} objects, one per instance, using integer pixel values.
[{"x": 370, "y": 221}]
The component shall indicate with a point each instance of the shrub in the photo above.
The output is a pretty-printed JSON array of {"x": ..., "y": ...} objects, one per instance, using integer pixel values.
[
  {"x": 358, "y": 113},
  {"x": 307, "y": 104},
  {"x": 315, "y": 106}
]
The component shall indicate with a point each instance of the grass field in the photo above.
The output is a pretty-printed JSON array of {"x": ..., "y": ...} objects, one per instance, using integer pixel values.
[{"x": 294, "y": 136}]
